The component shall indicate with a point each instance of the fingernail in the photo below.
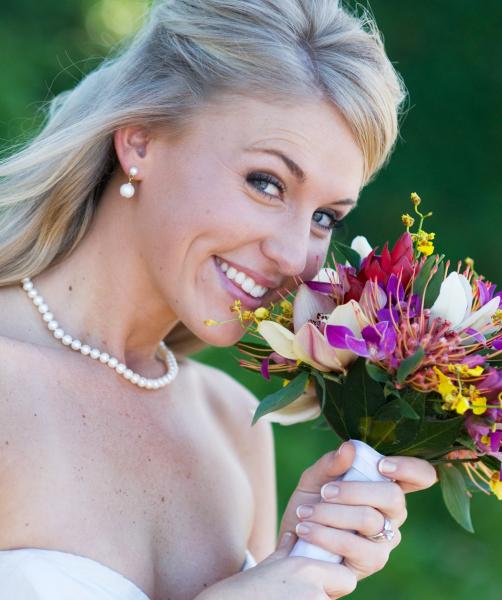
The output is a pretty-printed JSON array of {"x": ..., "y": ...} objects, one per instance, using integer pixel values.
[
  {"x": 329, "y": 491},
  {"x": 302, "y": 528},
  {"x": 340, "y": 450},
  {"x": 285, "y": 538},
  {"x": 304, "y": 511},
  {"x": 386, "y": 466}
]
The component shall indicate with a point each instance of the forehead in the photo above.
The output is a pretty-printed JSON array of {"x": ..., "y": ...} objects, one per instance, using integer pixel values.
[{"x": 312, "y": 132}]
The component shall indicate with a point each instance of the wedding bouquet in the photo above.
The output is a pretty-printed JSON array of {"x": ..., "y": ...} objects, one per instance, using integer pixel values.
[{"x": 397, "y": 351}]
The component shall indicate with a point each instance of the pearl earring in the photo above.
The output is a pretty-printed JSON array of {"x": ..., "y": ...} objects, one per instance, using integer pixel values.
[{"x": 127, "y": 190}]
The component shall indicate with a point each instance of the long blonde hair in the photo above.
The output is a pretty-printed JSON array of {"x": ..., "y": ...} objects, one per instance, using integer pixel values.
[{"x": 187, "y": 52}]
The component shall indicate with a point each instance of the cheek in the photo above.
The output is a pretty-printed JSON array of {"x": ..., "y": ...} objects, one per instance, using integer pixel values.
[{"x": 316, "y": 258}]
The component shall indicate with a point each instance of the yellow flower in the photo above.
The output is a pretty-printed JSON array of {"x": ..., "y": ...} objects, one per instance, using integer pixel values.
[
  {"x": 478, "y": 401},
  {"x": 426, "y": 248},
  {"x": 210, "y": 322},
  {"x": 465, "y": 371},
  {"x": 261, "y": 313},
  {"x": 407, "y": 220},
  {"x": 496, "y": 485},
  {"x": 415, "y": 198},
  {"x": 460, "y": 404},
  {"x": 445, "y": 386},
  {"x": 286, "y": 306}
]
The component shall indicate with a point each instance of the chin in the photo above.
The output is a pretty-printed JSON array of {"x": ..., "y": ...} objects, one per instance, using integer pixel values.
[{"x": 221, "y": 336}]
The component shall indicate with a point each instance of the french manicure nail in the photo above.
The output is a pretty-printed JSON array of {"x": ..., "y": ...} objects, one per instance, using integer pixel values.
[
  {"x": 386, "y": 466},
  {"x": 304, "y": 511},
  {"x": 340, "y": 450},
  {"x": 302, "y": 528},
  {"x": 329, "y": 491}
]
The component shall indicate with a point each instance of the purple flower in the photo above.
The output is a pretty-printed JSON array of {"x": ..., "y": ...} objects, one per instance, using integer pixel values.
[
  {"x": 487, "y": 292},
  {"x": 377, "y": 342},
  {"x": 278, "y": 359}
]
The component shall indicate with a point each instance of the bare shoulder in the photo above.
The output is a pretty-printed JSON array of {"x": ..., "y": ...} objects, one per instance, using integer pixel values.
[
  {"x": 229, "y": 399},
  {"x": 234, "y": 406}
]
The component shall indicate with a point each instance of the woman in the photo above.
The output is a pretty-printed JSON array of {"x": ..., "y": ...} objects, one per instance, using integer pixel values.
[{"x": 228, "y": 131}]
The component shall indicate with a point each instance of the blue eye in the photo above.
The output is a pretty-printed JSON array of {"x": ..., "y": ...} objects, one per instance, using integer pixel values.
[
  {"x": 264, "y": 180},
  {"x": 331, "y": 221}
]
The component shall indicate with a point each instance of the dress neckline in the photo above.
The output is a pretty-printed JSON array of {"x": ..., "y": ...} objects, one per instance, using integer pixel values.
[
  {"x": 71, "y": 557},
  {"x": 249, "y": 561}
]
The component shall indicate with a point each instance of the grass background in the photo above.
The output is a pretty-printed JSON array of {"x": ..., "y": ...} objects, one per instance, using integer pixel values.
[{"x": 449, "y": 151}]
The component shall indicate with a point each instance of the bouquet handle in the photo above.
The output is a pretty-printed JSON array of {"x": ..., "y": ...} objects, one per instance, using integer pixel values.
[{"x": 364, "y": 468}]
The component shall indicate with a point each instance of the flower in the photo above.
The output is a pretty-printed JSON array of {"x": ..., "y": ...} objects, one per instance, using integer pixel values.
[
  {"x": 496, "y": 485},
  {"x": 377, "y": 341},
  {"x": 312, "y": 313},
  {"x": 454, "y": 304},
  {"x": 398, "y": 261},
  {"x": 407, "y": 220},
  {"x": 361, "y": 245}
]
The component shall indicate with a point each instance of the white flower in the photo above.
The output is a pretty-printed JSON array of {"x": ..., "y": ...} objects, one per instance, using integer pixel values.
[
  {"x": 361, "y": 245},
  {"x": 309, "y": 345},
  {"x": 454, "y": 304}
]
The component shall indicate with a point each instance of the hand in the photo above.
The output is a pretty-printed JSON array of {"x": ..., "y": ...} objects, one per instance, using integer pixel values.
[
  {"x": 281, "y": 576},
  {"x": 358, "y": 507}
]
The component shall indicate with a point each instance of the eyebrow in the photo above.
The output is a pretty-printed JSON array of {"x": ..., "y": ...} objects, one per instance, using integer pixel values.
[{"x": 296, "y": 170}]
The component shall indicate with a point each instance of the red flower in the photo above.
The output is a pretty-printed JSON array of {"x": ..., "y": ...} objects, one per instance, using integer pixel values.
[{"x": 398, "y": 261}]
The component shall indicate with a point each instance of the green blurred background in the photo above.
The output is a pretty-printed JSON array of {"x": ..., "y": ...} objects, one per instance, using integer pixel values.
[{"x": 449, "y": 151}]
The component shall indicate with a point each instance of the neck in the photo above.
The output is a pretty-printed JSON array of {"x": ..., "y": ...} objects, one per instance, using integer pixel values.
[{"x": 102, "y": 293}]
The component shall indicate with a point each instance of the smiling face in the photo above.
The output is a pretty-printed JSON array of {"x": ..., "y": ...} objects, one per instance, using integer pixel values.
[{"x": 251, "y": 192}]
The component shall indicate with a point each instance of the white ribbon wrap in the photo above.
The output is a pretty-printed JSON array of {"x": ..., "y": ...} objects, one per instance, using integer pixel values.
[{"x": 364, "y": 468}]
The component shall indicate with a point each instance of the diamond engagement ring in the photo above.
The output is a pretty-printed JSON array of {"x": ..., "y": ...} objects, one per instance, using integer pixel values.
[{"x": 385, "y": 535}]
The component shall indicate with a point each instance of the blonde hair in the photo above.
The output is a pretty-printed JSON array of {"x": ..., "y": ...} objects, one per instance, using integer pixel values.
[{"x": 189, "y": 52}]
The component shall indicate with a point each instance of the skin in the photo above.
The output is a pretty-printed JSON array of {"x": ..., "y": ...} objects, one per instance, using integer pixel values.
[{"x": 147, "y": 263}]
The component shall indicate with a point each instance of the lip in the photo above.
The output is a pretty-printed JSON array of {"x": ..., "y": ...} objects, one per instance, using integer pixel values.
[
  {"x": 259, "y": 279},
  {"x": 237, "y": 292}
]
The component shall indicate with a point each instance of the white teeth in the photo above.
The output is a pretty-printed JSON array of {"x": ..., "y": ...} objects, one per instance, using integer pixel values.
[
  {"x": 231, "y": 273},
  {"x": 257, "y": 291},
  {"x": 246, "y": 283},
  {"x": 239, "y": 278}
]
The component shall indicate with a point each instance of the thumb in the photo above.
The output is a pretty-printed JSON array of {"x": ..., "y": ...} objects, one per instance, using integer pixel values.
[
  {"x": 284, "y": 547},
  {"x": 330, "y": 466}
]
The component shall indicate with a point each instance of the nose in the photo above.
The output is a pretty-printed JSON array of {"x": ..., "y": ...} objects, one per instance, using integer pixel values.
[{"x": 288, "y": 245}]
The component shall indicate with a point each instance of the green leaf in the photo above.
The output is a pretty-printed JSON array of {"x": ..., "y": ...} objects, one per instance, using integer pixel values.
[
  {"x": 322, "y": 385},
  {"x": 351, "y": 404},
  {"x": 409, "y": 365},
  {"x": 397, "y": 423},
  {"x": 390, "y": 390},
  {"x": 420, "y": 283},
  {"x": 282, "y": 397},
  {"x": 344, "y": 253},
  {"x": 432, "y": 291},
  {"x": 376, "y": 373},
  {"x": 455, "y": 496},
  {"x": 434, "y": 437},
  {"x": 408, "y": 411}
]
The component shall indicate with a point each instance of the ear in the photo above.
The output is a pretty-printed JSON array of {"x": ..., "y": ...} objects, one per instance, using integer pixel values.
[{"x": 131, "y": 145}]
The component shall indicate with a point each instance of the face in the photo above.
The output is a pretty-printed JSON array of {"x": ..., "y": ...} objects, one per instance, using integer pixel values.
[{"x": 243, "y": 205}]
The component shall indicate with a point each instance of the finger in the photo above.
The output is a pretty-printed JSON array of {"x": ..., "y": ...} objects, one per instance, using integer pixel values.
[
  {"x": 387, "y": 497},
  {"x": 364, "y": 555},
  {"x": 330, "y": 466},
  {"x": 366, "y": 520},
  {"x": 412, "y": 474}
]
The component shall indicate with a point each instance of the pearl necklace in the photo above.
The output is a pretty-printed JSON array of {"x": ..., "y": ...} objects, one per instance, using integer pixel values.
[{"x": 144, "y": 382}]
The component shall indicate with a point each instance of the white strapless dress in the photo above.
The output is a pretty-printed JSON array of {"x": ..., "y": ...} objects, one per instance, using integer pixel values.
[{"x": 45, "y": 574}]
